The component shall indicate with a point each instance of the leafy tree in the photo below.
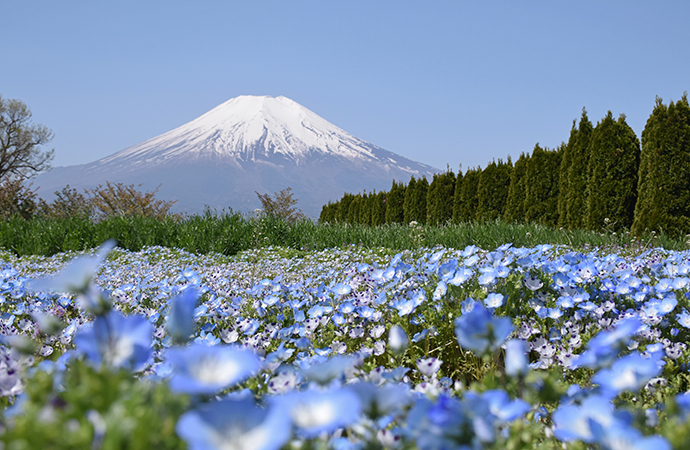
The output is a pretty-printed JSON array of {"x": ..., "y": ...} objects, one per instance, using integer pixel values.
[
  {"x": 467, "y": 206},
  {"x": 395, "y": 201},
  {"x": 515, "y": 201},
  {"x": 68, "y": 203},
  {"x": 439, "y": 200},
  {"x": 576, "y": 196},
  {"x": 120, "y": 200},
  {"x": 16, "y": 199},
  {"x": 563, "y": 177},
  {"x": 20, "y": 141},
  {"x": 613, "y": 169},
  {"x": 414, "y": 206},
  {"x": 457, "y": 198},
  {"x": 541, "y": 186},
  {"x": 663, "y": 201},
  {"x": 492, "y": 190}
]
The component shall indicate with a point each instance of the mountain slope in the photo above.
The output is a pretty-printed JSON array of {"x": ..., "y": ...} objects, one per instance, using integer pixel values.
[{"x": 244, "y": 145}]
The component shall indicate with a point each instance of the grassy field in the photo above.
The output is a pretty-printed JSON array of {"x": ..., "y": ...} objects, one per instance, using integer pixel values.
[{"x": 229, "y": 234}]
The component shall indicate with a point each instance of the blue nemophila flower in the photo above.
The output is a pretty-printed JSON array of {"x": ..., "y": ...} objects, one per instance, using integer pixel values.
[
  {"x": 384, "y": 400},
  {"x": 502, "y": 407},
  {"x": 341, "y": 289},
  {"x": 397, "y": 340},
  {"x": 516, "y": 362},
  {"x": 480, "y": 331},
  {"x": 404, "y": 306},
  {"x": 429, "y": 366},
  {"x": 630, "y": 373},
  {"x": 447, "y": 424},
  {"x": 574, "y": 422},
  {"x": 447, "y": 270},
  {"x": 234, "y": 424},
  {"x": 117, "y": 341},
  {"x": 461, "y": 275},
  {"x": 202, "y": 369},
  {"x": 493, "y": 300},
  {"x": 533, "y": 283},
  {"x": 420, "y": 336},
  {"x": 335, "y": 367},
  {"x": 627, "y": 437},
  {"x": 683, "y": 318},
  {"x": 440, "y": 290},
  {"x": 314, "y": 412},
  {"x": 605, "y": 346},
  {"x": 76, "y": 276},
  {"x": 180, "y": 322}
]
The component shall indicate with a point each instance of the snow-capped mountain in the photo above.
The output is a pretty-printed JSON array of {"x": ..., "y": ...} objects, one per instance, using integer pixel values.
[{"x": 246, "y": 144}]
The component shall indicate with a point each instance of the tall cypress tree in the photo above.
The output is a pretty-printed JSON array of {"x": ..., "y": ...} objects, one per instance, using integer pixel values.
[
  {"x": 365, "y": 209},
  {"x": 457, "y": 199},
  {"x": 541, "y": 186},
  {"x": 415, "y": 200},
  {"x": 395, "y": 199},
  {"x": 492, "y": 190},
  {"x": 344, "y": 208},
  {"x": 439, "y": 200},
  {"x": 353, "y": 209},
  {"x": 614, "y": 161},
  {"x": 378, "y": 209},
  {"x": 663, "y": 202},
  {"x": 563, "y": 180},
  {"x": 576, "y": 196},
  {"x": 467, "y": 208},
  {"x": 409, "y": 204},
  {"x": 328, "y": 212},
  {"x": 515, "y": 201}
]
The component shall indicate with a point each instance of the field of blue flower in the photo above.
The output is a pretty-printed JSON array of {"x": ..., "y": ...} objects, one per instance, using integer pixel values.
[{"x": 355, "y": 348}]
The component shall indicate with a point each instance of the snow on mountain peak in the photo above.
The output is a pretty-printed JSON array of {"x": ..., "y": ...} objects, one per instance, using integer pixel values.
[{"x": 250, "y": 128}]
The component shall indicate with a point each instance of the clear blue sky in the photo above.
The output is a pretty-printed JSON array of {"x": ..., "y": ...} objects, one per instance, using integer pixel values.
[{"x": 440, "y": 82}]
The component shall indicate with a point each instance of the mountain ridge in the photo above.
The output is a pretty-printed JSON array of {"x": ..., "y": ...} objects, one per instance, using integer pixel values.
[{"x": 246, "y": 144}]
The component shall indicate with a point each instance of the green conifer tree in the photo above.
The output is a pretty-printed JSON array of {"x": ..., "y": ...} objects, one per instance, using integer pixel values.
[
  {"x": 439, "y": 200},
  {"x": 457, "y": 198},
  {"x": 365, "y": 209},
  {"x": 541, "y": 186},
  {"x": 395, "y": 199},
  {"x": 492, "y": 190},
  {"x": 563, "y": 177},
  {"x": 467, "y": 207},
  {"x": 663, "y": 202},
  {"x": 576, "y": 197},
  {"x": 328, "y": 212},
  {"x": 353, "y": 210},
  {"x": 344, "y": 208},
  {"x": 415, "y": 200},
  {"x": 515, "y": 201},
  {"x": 613, "y": 170},
  {"x": 378, "y": 210}
]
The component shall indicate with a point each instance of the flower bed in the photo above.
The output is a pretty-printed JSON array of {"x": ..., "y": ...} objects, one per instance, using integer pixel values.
[{"x": 436, "y": 348}]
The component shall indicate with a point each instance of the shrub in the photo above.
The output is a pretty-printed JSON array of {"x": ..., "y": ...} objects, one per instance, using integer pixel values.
[
  {"x": 120, "y": 200},
  {"x": 68, "y": 203},
  {"x": 282, "y": 205},
  {"x": 16, "y": 199}
]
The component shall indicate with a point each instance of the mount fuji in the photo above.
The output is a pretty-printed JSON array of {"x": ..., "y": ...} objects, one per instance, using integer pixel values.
[{"x": 247, "y": 144}]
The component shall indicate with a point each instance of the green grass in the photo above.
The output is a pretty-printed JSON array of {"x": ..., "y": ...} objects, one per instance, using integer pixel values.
[{"x": 229, "y": 234}]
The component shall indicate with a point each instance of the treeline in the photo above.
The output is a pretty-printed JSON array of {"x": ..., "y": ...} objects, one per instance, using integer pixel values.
[{"x": 602, "y": 178}]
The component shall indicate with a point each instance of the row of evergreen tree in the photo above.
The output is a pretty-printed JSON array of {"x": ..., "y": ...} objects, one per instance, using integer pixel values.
[{"x": 603, "y": 177}]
